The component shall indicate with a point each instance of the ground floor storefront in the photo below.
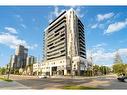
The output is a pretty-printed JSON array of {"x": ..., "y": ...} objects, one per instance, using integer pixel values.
[{"x": 54, "y": 71}]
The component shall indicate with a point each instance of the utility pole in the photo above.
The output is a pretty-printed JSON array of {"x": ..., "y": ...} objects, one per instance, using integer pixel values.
[
  {"x": 91, "y": 61},
  {"x": 9, "y": 68},
  {"x": 39, "y": 69},
  {"x": 38, "y": 66}
]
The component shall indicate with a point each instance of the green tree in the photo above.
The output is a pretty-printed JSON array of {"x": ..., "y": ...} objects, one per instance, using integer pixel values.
[
  {"x": 125, "y": 68},
  {"x": 16, "y": 71},
  {"x": 119, "y": 68},
  {"x": 29, "y": 69},
  {"x": 104, "y": 70},
  {"x": 2, "y": 70},
  {"x": 96, "y": 69}
]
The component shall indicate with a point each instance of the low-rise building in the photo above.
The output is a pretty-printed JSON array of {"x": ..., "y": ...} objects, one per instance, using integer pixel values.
[{"x": 37, "y": 68}]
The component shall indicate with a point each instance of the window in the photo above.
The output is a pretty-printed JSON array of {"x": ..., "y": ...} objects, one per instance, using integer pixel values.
[{"x": 56, "y": 34}]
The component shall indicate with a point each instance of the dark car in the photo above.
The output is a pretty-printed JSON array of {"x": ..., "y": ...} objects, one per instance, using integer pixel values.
[{"x": 122, "y": 78}]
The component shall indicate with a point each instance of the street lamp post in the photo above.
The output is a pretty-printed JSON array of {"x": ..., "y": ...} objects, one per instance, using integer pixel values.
[{"x": 9, "y": 68}]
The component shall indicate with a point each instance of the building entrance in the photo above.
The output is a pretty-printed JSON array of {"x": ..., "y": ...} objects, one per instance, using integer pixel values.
[
  {"x": 54, "y": 70},
  {"x": 61, "y": 72}
]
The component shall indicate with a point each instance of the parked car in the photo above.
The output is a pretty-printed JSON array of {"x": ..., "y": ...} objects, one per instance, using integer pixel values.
[
  {"x": 42, "y": 76},
  {"x": 122, "y": 78}
]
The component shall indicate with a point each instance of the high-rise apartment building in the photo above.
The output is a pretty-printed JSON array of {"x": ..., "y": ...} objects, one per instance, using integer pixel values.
[
  {"x": 30, "y": 60},
  {"x": 19, "y": 59},
  {"x": 65, "y": 46}
]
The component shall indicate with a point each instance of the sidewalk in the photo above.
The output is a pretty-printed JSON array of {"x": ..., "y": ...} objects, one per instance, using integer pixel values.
[
  {"x": 83, "y": 77},
  {"x": 12, "y": 86}
]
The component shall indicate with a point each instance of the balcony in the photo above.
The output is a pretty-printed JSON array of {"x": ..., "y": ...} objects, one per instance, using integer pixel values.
[
  {"x": 54, "y": 27},
  {"x": 49, "y": 58},
  {"x": 56, "y": 48}
]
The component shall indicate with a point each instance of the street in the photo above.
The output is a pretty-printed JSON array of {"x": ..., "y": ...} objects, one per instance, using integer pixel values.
[{"x": 104, "y": 82}]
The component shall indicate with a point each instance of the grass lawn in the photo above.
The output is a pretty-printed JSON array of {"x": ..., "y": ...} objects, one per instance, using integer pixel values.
[
  {"x": 8, "y": 80},
  {"x": 80, "y": 88}
]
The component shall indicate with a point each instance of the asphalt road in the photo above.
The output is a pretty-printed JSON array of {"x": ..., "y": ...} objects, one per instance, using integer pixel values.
[{"x": 105, "y": 82}]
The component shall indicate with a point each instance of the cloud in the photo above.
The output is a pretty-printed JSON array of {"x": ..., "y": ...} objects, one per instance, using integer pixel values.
[
  {"x": 19, "y": 18},
  {"x": 102, "y": 57},
  {"x": 57, "y": 11},
  {"x": 99, "y": 55},
  {"x": 123, "y": 51},
  {"x": 101, "y": 26},
  {"x": 23, "y": 25},
  {"x": 100, "y": 45},
  {"x": 117, "y": 26},
  {"x": 101, "y": 17},
  {"x": 11, "y": 30},
  {"x": 97, "y": 25},
  {"x": 94, "y": 26},
  {"x": 34, "y": 46},
  {"x": 54, "y": 13},
  {"x": 123, "y": 41},
  {"x": 79, "y": 12},
  {"x": 12, "y": 41}
]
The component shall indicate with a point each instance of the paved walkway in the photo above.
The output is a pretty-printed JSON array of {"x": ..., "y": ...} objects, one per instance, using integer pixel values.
[
  {"x": 85, "y": 77},
  {"x": 12, "y": 85}
]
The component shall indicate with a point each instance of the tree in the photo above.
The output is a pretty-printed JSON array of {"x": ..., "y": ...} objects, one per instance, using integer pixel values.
[
  {"x": 119, "y": 68},
  {"x": 105, "y": 70},
  {"x": 16, "y": 71},
  {"x": 125, "y": 67},
  {"x": 96, "y": 70},
  {"x": 29, "y": 69},
  {"x": 20, "y": 71},
  {"x": 117, "y": 58},
  {"x": 2, "y": 70},
  {"x": 102, "y": 69}
]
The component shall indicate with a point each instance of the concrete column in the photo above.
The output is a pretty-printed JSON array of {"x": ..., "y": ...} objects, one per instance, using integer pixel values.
[
  {"x": 50, "y": 71},
  {"x": 78, "y": 69},
  {"x": 65, "y": 72}
]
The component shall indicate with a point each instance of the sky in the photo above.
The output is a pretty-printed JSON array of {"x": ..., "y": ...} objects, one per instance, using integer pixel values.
[{"x": 105, "y": 30}]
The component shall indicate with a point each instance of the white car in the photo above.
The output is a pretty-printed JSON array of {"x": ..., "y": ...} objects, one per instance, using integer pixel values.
[{"x": 42, "y": 76}]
